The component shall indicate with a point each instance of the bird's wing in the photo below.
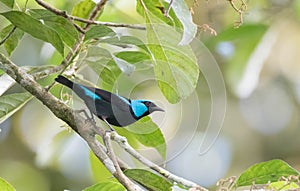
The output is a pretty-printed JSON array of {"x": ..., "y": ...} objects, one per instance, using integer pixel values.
[{"x": 116, "y": 100}]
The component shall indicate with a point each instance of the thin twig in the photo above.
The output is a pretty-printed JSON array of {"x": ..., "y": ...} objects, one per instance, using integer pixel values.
[
  {"x": 110, "y": 152},
  {"x": 8, "y": 35},
  {"x": 120, "y": 25},
  {"x": 76, "y": 48},
  {"x": 122, "y": 141},
  {"x": 95, "y": 13},
  {"x": 87, "y": 21},
  {"x": 85, "y": 128},
  {"x": 60, "y": 13},
  {"x": 167, "y": 11},
  {"x": 72, "y": 53},
  {"x": 51, "y": 8},
  {"x": 78, "y": 28},
  {"x": 240, "y": 11},
  {"x": 206, "y": 27}
]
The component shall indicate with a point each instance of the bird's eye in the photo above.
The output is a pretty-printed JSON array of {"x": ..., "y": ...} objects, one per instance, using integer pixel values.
[{"x": 147, "y": 103}]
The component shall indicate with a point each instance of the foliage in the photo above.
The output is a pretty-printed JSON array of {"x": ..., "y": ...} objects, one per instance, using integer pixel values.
[
  {"x": 5, "y": 186},
  {"x": 149, "y": 180},
  {"x": 11, "y": 103},
  {"x": 264, "y": 172},
  {"x": 173, "y": 65},
  {"x": 106, "y": 186},
  {"x": 165, "y": 51}
]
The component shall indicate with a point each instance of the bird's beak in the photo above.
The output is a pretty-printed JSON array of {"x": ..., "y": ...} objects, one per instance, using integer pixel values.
[{"x": 155, "y": 108}]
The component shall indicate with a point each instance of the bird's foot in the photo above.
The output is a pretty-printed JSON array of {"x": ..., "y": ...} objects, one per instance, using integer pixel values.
[
  {"x": 107, "y": 132},
  {"x": 110, "y": 130},
  {"x": 88, "y": 118}
]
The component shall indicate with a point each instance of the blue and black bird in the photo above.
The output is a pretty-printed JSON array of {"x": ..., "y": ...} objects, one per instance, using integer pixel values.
[{"x": 111, "y": 108}]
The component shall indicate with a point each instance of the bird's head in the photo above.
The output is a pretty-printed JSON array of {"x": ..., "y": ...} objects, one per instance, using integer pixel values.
[
  {"x": 151, "y": 106},
  {"x": 142, "y": 108}
]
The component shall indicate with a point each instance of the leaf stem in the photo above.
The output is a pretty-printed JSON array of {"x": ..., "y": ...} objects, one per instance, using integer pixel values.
[
  {"x": 167, "y": 11},
  {"x": 8, "y": 35}
]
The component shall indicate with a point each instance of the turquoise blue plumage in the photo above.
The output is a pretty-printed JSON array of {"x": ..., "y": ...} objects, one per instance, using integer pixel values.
[{"x": 109, "y": 107}]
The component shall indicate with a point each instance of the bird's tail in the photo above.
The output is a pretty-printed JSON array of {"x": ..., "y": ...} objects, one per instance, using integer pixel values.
[{"x": 65, "y": 81}]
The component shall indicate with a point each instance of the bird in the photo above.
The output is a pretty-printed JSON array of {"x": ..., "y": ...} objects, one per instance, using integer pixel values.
[{"x": 111, "y": 108}]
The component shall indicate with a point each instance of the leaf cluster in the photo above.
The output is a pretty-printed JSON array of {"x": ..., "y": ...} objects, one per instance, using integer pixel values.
[{"x": 169, "y": 57}]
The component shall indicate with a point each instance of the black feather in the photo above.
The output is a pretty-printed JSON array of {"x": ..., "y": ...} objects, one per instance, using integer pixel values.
[{"x": 115, "y": 109}]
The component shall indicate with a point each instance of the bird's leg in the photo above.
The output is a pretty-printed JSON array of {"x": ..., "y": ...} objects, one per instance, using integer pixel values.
[
  {"x": 111, "y": 128},
  {"x": 92, "y": 116},
  {"x": 86, "y": 114}
]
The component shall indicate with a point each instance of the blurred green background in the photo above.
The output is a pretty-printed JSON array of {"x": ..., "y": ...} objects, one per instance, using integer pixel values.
[{"x": 260, "y": 63}]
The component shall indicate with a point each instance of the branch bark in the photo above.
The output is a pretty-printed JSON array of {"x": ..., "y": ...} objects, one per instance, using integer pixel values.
[
  {"x": 122, "y": 141},
  {"x": 85, "y": 128},
  {"x": 87, "y": 21}
]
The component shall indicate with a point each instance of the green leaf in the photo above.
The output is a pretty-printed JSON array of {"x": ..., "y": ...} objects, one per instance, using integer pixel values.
[
  {"x": 282, "y": 185},
  {"x": 106, "y": 186},
  {"x": 124, "y": 41},
  {"x": 96, "y": 53},
  {"x": 109, "y": 66},
  {"x": 5, "y": 186},
  {"x": 148, "y": 134},
  {"x": 183, "y": 13},
  {"x": 9, "y": 104},
  {"x": 175, "y": 67},
  {"x": 149, "y": 179},
  {"x": 40, "y": 13},
  {"x": 99, "y": 171},
  {"x": 9, "y": 3},
  {"x": 123, "y": 65},
  {"x": 133, "y": 57},
  {"x": 35, "y": 28},
  {"x": 265, "y": 172},
  {"x": 154, "y": 7},
  {"x": 101, "y": 61},
  {"x": 83, "y": 9},
  {"x": 141, "y": 60},
  {"x": 98, "y": 31},
  {"x": 12, "y": 42},
  {"x": 62, "y": 26}
]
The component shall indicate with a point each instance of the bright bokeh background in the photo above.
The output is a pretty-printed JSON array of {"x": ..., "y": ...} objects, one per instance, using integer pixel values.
[{"x": 260, "y": 63}]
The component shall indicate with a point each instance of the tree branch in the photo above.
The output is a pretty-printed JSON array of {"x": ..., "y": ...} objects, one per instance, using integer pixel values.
[
  {"x": 76, "y": 48},
  {"x": 110, "y": 152},
  {"x": 122, "y": 141},
  {"x": 85, "y": 128},
  {"x": 87, "y": 21},
  {"x": 95, "y": 13},
  {"x": 240, "y": 11}
]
